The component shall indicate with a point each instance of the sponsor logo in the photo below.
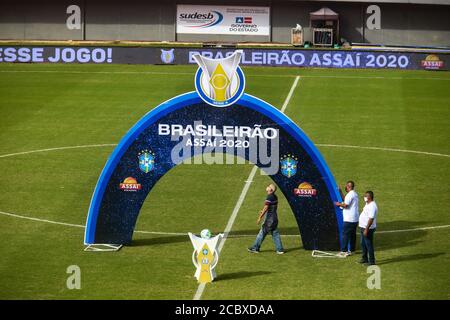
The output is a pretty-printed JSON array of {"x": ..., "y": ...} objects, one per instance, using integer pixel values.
[
  {"x": 247, "y": 20},
  {"x": 305, "y": 189},
  {"x": 288, "y": 165},
  {"x": 130, "y": 184},
  {"x": 432, "y": 62},
  {"x": 146, "y": 161},
  {"x": 219, "y": 82},
  {"x": 244, "y": 24},
  {"x": 201, "y": 20},
  {"x": 167, "y": 56}
]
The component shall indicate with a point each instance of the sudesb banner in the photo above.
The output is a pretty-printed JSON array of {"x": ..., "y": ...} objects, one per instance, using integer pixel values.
[
  {"x": 250, "y": 57},
  {"x": 231, "y": 20}
]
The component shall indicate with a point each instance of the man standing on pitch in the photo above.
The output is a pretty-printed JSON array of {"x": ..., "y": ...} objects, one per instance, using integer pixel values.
[
  {"x": 351, "y": 216},
  {"x": 270, "y": 223},
  {"x": 368, "y": 224}
]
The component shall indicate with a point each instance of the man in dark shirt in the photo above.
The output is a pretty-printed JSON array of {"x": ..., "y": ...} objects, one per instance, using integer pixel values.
[{"x": 270, "y": 223}]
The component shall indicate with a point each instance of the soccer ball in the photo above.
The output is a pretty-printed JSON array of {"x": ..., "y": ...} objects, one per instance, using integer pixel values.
[{"x": 206, "y": 234}]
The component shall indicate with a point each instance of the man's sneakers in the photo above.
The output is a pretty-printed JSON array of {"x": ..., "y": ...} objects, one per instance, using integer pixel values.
[
  {"x": 253, "y": 250},
  {"x": 343, "y": 254},
  {"x": 362, "y": 261},
  {"x": 367, "y": 263}
]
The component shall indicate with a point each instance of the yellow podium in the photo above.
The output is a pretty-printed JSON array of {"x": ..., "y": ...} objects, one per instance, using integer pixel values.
[{"x": 205, "y": 257}]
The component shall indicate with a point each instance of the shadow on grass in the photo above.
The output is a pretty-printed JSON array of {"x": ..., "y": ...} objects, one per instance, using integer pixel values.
[
  {"x": 159, "y": 240},
  {"x": 396, "y": 240},
  {"x": 403, "y": 225},
  {"x": 242, "y": 234},
  {"x": 268, "y": 245},
  {"x": 382, "y": 241},
  {"x": 283, "y": 231},
  {"x": 240, "y": 275},
  {"x": 411, "y": 257}
]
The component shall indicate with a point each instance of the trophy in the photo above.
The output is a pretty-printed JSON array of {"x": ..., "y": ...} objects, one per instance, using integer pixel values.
[
  {"x": 218, "y": 79},
  {"x": 205, "y": 255}
]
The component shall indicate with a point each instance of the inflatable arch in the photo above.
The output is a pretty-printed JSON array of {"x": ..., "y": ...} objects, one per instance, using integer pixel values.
[{"x": 146, "y": 153}]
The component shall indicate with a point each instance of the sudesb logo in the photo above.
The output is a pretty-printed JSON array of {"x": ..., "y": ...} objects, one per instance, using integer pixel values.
[
  {"x": 201, "y": 20},
  {"x": 196, "y": 15}
]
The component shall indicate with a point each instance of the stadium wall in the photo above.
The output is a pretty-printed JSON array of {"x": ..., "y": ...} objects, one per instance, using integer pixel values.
[{"x": 142, "y": 20}]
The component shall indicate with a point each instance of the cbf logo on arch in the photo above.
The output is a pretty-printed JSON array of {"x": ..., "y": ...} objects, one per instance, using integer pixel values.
[{"x": 219, "y": 83}]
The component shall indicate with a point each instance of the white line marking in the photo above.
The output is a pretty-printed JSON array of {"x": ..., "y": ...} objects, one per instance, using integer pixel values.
[
  {"x": 289, "y": 96},
  {"x": 57, "y": 148},
  {"x": 97, "y": 72},
  {"x": 41, "y": 220},
  {"x": 247, "y": 74},
  {"x": 82, "y": 226},
  {"x": 374, "y": 77},
  {"x": 414, "y": 229},
  {"x": 383, "y": 149},
  {"x": 185, "y": 233},
  {"x": 201, "y": 286},
  {"x": 317, "y": 144}
]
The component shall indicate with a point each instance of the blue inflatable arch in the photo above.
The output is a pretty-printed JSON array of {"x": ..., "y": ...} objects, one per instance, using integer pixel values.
[{"x": 117, "y": 199}]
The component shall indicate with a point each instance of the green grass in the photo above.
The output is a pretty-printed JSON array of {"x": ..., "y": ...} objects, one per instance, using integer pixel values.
[{"x": 46, "y": 106}]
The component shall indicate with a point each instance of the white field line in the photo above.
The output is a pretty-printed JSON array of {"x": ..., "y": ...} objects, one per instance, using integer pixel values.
[
  {"x": 41, "y": 220},
  {"x": 317, "y": 144},
  {"x": 80, "y": 225},
  {"x": 383, "y": 149},
  {"x": 414, "y": 229},
  {"x": 289, "y": 96},
  {"x": 375, "y": 77},
  {"x": 14, "y": 215},
  {"x": 247, "y": 75},
  {"x": 57, "y": 148},
  {"x": 99, "y": 72},
  {"x": 201, "y": 286}
]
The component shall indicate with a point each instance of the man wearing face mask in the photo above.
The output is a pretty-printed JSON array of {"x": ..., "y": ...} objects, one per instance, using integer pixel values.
[
  {"x": 350, "y": 214},
  {"x": 368, "y": 224}
]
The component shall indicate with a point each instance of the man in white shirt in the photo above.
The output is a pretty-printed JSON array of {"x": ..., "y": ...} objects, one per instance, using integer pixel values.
[
  {"x": 368, "y": 225},
  {"x": 350, "y": 214}
]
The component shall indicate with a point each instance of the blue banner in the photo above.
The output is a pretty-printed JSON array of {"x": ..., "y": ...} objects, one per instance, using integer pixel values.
[{"x": 251, "y": 57}]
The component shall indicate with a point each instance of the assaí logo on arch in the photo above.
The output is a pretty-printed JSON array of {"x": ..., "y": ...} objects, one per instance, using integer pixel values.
[{"x": 201, "y": 20}]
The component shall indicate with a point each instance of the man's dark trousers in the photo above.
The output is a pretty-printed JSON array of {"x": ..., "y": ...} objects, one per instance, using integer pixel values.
[
  {"x": 349, "y": 236},
  {"x": 368, "y": 252}
]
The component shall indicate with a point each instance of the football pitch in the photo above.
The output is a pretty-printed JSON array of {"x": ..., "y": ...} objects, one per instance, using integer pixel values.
[{"x": 386, "y": 130}]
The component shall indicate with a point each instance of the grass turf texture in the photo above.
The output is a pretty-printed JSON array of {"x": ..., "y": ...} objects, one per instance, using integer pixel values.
[{"x": 45, "y": 106}]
